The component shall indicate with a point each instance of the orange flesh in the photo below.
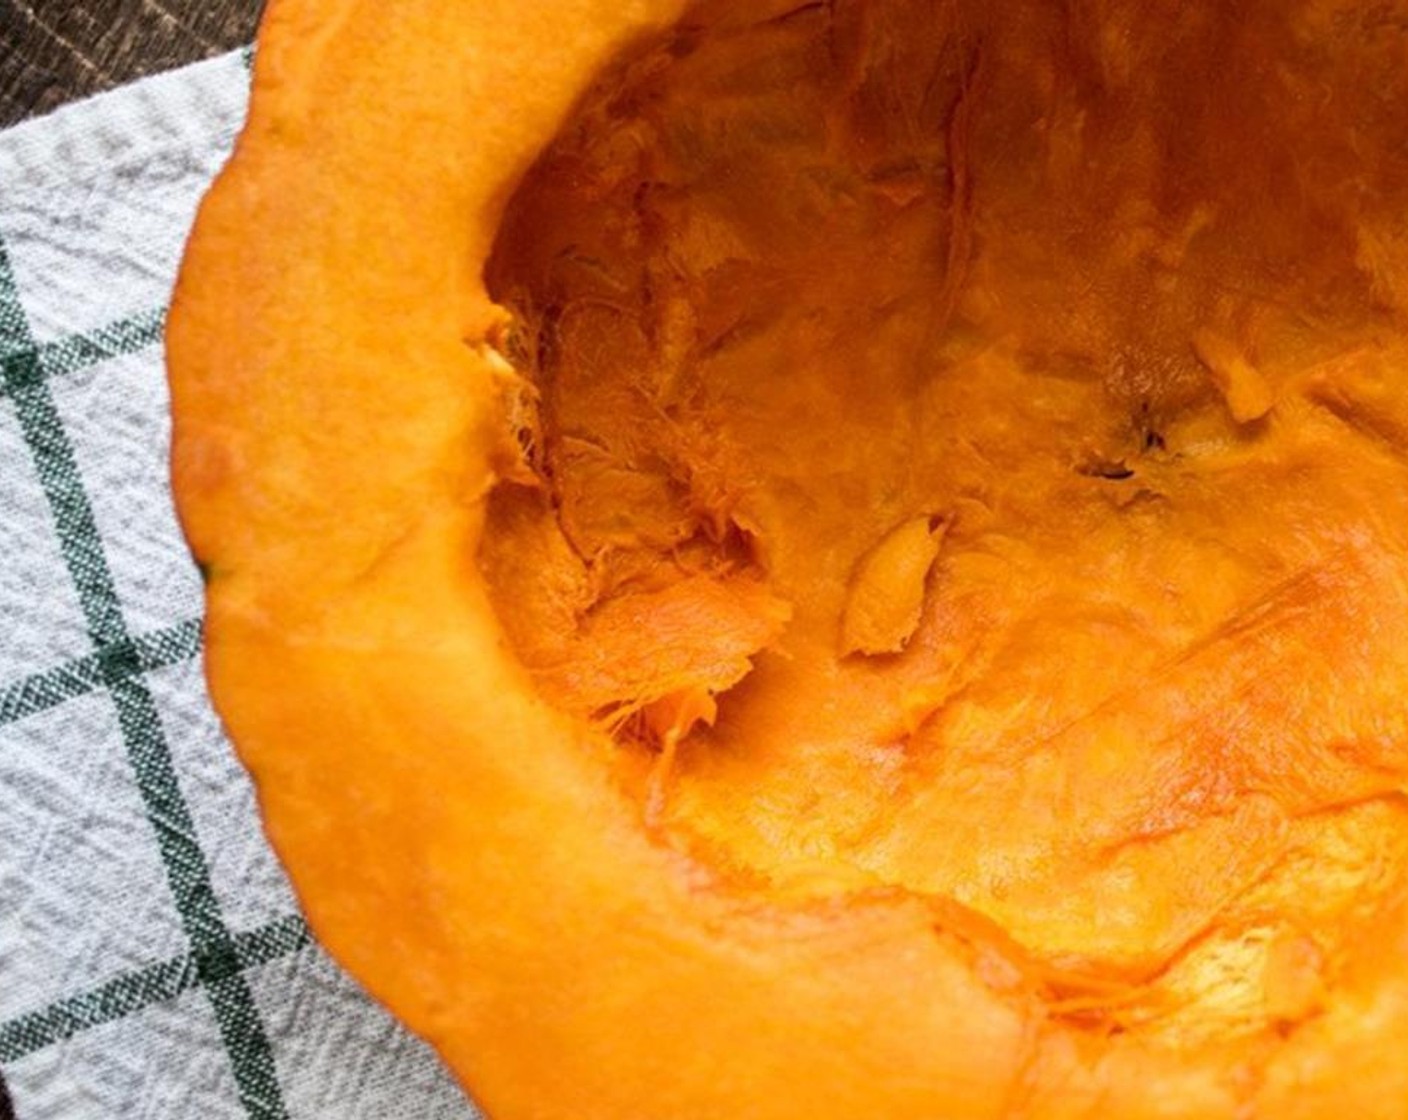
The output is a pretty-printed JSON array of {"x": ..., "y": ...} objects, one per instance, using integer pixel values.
[{"x": 1063, "y": 344}]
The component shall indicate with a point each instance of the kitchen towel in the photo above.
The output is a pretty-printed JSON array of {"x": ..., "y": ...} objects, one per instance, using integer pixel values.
[{"x": 153, "y": 962}]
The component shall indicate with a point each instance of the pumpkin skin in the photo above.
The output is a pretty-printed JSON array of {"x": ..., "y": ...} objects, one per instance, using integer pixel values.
[{"x": 478, "y": 851}]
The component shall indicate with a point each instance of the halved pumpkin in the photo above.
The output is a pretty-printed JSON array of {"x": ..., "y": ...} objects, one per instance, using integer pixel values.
[{"x": 831, "y": 559}]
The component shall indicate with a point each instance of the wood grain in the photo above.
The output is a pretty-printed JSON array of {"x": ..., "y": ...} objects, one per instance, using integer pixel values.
[{"x": 53, "y": 51}]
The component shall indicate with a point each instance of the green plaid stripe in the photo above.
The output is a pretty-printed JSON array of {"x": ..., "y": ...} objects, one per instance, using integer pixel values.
[
  {"x": 132, "y": 992},
  {"x": 77, "y": 352},
  {"x": 215, "y": 959},
  {"x": 126, "y": 336},
  {"x": 49, "y": 689}
]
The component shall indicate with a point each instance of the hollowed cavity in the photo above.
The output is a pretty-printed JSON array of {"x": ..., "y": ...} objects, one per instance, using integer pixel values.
[{"x": 960, "y": 449}]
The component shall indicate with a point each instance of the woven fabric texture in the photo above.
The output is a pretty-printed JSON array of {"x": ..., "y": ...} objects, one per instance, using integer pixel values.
[{"x": 153, "y": 962}]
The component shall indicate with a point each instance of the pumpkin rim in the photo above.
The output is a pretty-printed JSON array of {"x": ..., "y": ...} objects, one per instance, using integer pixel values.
[{"x": 318, "y": 656}]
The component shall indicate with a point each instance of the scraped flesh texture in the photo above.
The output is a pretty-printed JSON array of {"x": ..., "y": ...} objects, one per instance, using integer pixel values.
[{"x": 960, "y": 449}]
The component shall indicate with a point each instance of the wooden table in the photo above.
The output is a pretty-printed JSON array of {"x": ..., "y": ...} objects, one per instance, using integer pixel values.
[{"x": 52, "y": 51}]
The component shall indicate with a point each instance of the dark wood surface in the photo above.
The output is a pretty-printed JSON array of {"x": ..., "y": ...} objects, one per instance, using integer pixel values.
[{"x": 53, "y": 51}]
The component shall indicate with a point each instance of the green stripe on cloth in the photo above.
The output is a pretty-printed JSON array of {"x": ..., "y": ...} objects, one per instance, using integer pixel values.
[
  {"x": 77, "y": 352},
  {"x": 269, "y": 943},
  {"x": 126, "y": 336},
  {"x": 134, "y": 991},
  {"x": 116, "y": 999},
  {"x": 187, "y": 870},
  {"x": 49, "y": 689}
]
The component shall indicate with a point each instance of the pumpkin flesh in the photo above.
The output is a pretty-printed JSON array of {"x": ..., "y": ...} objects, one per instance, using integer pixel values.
[
  {"x": 539, "y": 634},
  {"x": 796, "y": 287}
]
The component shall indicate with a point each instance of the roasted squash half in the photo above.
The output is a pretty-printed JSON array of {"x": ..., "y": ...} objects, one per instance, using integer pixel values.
[{"x": 778, "y": 560}]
